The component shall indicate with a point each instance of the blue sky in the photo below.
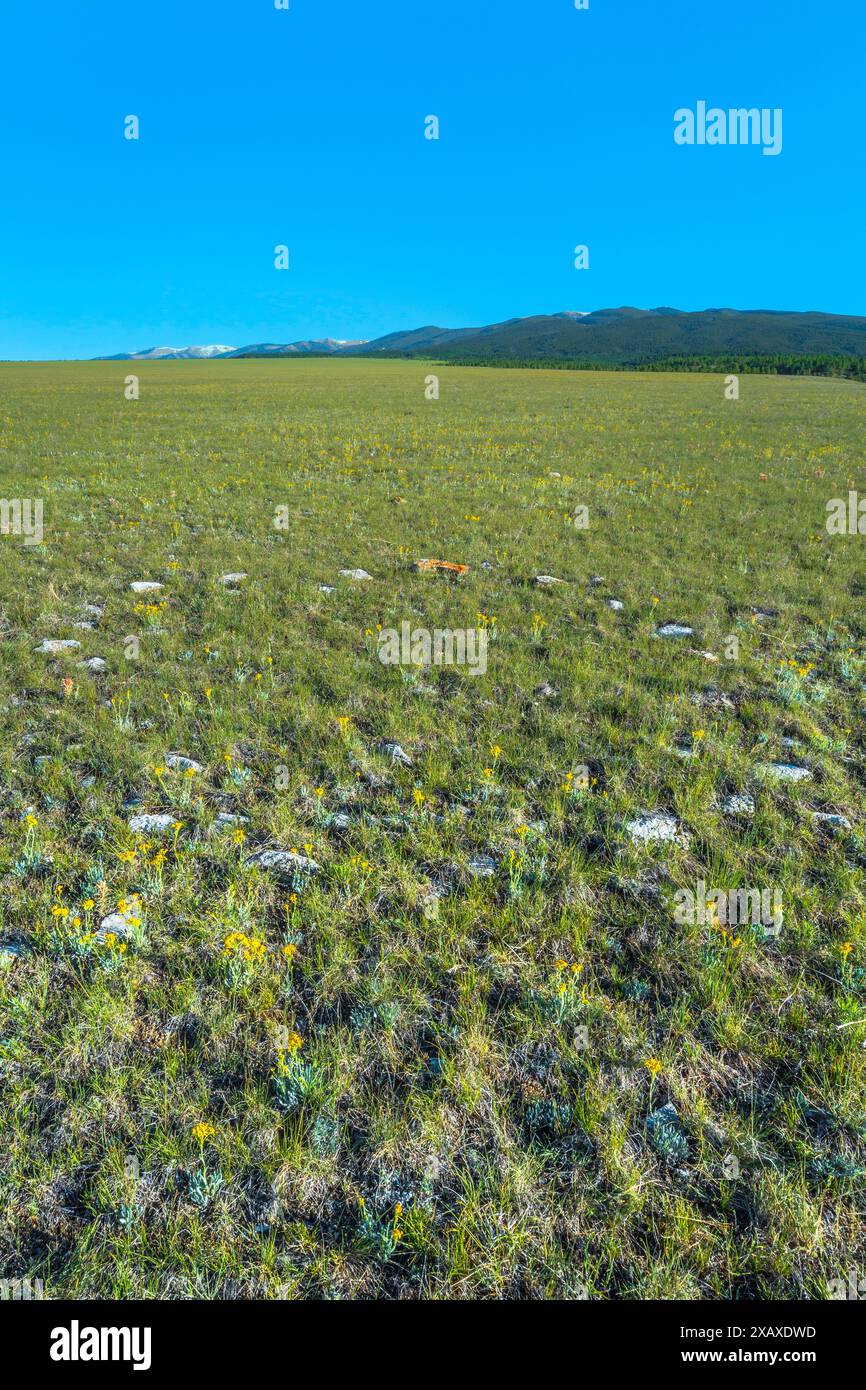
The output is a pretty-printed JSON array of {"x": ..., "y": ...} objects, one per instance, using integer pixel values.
[{"x": 306, "y": 127}]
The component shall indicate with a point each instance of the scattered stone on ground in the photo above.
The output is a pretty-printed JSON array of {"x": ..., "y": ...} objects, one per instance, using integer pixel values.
[
  {"x": 705, "y": 656},
  {"x": 712, "y": 698},
  {"x": 179, "y": 763},
  {"x": 225, "y": 820},
  {"x": 49, "y": 646},
  {"x": 831, "y": 820},
  {"x": 231, "y": 579},
  {"x": 785, "y": 772},
  {"x": 547, "y": 581},
  {"x": 481, "y": 866},
  {"x": 654, "y": 827},
  {"x": 94, "y": 664},
  {"x": 285, "y": 861},
  {"x": 738, "y": 804},
  {"x": 674, "y": 630},
  {"x": 151, "y": 823},
  {"x": 616, "y": 604},
  {"x": 355, "y": 574},
  {"x": 393, "y": 751},
  {"x": 145, "y": 586},
  {"x": 121, "y": 923}
]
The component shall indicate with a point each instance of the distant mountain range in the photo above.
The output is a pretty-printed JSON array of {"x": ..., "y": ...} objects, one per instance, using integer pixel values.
[
  {"x": 624, "y": 335},
  {"x": 169, "y": 354}
]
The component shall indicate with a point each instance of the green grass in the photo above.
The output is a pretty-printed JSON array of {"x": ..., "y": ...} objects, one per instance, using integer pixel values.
[{"x": 443, "y": 1066}]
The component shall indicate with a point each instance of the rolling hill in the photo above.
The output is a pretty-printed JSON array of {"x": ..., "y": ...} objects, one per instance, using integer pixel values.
[{"x": 621, "y": 336}]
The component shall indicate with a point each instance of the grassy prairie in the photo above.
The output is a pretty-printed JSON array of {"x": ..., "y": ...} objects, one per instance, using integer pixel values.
[{"x": 419, "y": 1072}]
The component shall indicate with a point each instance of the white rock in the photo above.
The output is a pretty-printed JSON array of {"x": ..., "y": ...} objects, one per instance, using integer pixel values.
[
  {"x": 831, "y": 820},
  {"x": 326, "y": 588},
  {"x": 50, "y": 645},
  {"x": 231, "y": 578},
  {"x": 785, "y": 772},
  {"x": 151, "y": 823},
  {"x": 616, "y": 604},
  {"x": 94, "y": 664},
  {"x": 225, "y": 820},
  {"x": 481, "y": 866},
  {"x": 144, "y": 586},
  {"x": 547, "y": 581},
  {"x": 738, "y": 804},
  {"x": 178, "y": 763},
  {"x": 285, "y": 861},
  {"x": 649, "y": 828},
  {"x": 673, "y": 630},
  {"x": 393, "y": 751},
  {"x": 120, "y": 923},
  {"x": 355, "y": 574}
]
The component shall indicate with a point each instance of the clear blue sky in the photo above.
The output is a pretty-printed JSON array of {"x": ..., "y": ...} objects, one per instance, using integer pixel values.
[{"x": 305, "y": 127}]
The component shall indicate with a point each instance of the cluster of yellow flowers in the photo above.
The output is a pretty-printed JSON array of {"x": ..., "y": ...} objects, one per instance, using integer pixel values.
[
  {"x": 132, "y": 856},
  {"x": 568, "y": 974},
  {"x": 203, "y": 1131},
  {"x": 584, "y": 782},
  {"x": 110, "y": 941},
  {"x": 285, "y": 1064},
  {"x": 795, "y": 666},
  {"x": 249, "y": 948}
]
